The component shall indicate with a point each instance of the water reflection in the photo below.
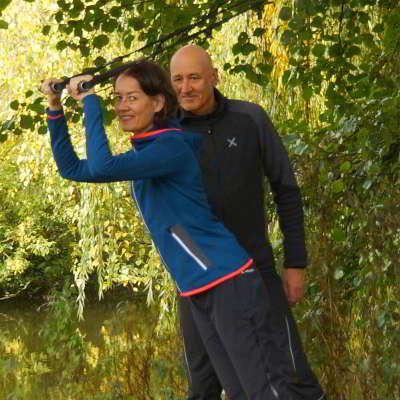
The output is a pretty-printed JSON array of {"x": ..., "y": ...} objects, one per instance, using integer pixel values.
[{"x": 45, "y": 353}]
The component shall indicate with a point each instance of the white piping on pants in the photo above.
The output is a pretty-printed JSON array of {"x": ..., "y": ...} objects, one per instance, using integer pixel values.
[
  {"x": 290, "y": 344},
  {"x": 186, "y": 361}
]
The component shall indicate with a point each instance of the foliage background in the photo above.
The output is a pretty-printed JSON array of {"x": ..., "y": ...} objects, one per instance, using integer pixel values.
[{"x": 328, "y": 74}]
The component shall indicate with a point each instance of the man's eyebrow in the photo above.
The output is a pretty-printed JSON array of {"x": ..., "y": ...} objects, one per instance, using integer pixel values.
[{"x": 190, "y": 75}]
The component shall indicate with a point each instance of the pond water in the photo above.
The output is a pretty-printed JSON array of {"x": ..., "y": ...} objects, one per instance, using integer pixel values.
[{"x": 114, "y": 353}]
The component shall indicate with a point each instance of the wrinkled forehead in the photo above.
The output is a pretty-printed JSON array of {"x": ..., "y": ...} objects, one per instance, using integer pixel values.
[{"x": 187, "y": 65}]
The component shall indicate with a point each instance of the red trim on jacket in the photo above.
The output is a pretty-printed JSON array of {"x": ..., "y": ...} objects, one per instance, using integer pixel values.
[
  {"x": 55, "y": 116},
  {"x": 218, "y": 281},
  {"x": 152, "y": 133}
]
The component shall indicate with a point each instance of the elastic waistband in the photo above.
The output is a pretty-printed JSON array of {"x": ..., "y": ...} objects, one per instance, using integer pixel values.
[{"x": 218, "y": 281}]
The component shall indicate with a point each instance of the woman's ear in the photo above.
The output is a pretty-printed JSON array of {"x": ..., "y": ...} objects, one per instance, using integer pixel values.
[{"x": 159, "y": 102}]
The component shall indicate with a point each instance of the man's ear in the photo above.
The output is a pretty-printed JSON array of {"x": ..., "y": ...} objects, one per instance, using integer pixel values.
[
  {"x": 159, "y": 102},
  {"x": 215, "y": 76}
]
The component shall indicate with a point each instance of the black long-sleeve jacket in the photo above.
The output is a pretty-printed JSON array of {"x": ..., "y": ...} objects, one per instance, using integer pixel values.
[{"x": 240, "y": 148}]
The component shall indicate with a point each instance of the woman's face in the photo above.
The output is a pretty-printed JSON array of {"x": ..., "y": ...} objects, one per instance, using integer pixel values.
[{"x": 134, "y": 108}]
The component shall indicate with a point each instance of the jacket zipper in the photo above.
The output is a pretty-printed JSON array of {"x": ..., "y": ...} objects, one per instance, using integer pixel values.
[{"x": 218, "y": 171}]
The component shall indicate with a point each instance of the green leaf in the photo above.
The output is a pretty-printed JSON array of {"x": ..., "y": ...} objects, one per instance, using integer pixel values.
[
  {"x": 42, "y": 130},
  {"x": 338, "y": 235},
  {"x": 128, "y": 41},
  {"x": 287, "y": 37},
  {"x": 26, "y": 122},
  {"x": 345, "y": 167},
  {"x": 258, "y": 32},
  {"x": 99, "y": 61},
  {"x": 297, "y": 23},
  {"x": 243, "y": 48},
  {"x": 336, "y": 50},
  {"x": 116, "y": 12},
  {"x": 4, "y": 4},
  {"x": 84, "y": 49},
  {"x": 338, "y": 186},
  {"x": 307, "y": 93},
  {"x": 317, "y": 22},
  {"x": 14, "y": 105},
  {"x": 352, "y": 51},
  {"x": 110, "y": 25},
  {"x": 46, "y": 30},
  {"x": 3, "y": 137},
  {"x": 100, "y": 41},
  {"x": 137, "y": 24},
  {"x": 37, "y": 107},
  {"x": 29, "y": 93},
  {"x": 305, "y": 34},
  {"x": 318, "y": 50},
  {"x": 3, "y": 24},
  {"x": 378, "y": 28},
  {"x": 59, "y": 16},
  {"x": 61, "y": 45},
  {"x": 248, "y": 48},
  {"x": 285, "y": 13},
  {"x": 265, "y": 68}
]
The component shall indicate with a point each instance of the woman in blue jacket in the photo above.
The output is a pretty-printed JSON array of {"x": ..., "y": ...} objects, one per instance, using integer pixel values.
[{"x": 202, "y": 256}]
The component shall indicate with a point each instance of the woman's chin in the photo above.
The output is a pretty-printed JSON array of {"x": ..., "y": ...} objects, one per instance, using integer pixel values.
[{"x": 126, "y": 127}]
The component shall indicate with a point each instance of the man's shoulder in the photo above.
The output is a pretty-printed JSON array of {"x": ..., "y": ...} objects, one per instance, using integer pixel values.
[{"x": 254, "y": 110}]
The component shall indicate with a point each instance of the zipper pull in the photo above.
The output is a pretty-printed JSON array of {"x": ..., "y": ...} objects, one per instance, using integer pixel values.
[{"x": 209, "y": 131}]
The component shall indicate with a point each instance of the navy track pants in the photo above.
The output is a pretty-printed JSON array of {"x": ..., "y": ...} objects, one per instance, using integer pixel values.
[{"x": 241, "y": 336}]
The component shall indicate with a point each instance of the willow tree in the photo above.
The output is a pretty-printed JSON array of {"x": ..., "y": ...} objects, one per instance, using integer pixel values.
[{"x": 329, "y": 73}]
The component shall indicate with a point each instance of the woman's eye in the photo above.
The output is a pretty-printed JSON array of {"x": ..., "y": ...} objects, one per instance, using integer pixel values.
[{"x": 132, "y": 98}]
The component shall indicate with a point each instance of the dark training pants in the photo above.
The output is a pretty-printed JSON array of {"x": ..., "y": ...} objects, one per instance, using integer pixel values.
[{"x": 241, "y": 335}]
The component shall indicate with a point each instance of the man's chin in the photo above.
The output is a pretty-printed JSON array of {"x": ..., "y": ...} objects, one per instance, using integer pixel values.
[{"x": 188, "y": 105}]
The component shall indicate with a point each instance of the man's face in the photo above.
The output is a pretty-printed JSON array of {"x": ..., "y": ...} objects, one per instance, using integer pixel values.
[{"x": 194, "y": 84}]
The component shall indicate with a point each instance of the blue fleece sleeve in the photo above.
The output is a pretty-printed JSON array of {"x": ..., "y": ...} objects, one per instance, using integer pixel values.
[
  {"x": 160, "y": 158},
  {"x": 68, "y": 164}
]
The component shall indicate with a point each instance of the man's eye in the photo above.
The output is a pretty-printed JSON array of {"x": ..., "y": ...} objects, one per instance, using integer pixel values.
[{"x": 177, "y": 79}]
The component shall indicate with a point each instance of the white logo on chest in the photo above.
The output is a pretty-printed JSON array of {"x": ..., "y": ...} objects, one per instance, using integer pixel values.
[{"x": 232, "y": 142}]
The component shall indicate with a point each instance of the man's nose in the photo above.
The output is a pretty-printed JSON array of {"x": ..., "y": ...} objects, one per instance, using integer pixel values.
[{"x": 185, "y": 88}]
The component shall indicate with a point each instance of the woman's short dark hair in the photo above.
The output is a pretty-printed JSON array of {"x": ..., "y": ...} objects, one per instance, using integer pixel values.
[{"x": 153, "y": 80}]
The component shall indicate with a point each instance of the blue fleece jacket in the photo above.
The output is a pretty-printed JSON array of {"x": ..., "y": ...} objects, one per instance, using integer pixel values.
[{"x": 166, "y": 184}]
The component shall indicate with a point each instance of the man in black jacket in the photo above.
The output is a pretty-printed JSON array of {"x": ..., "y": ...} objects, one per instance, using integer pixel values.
[{"x": 240, "y": 149}]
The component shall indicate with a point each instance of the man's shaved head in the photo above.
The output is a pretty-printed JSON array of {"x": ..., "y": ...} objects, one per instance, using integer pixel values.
[
  {"x": 194, "y": 78},
  {"x": 195, "y": 52}
]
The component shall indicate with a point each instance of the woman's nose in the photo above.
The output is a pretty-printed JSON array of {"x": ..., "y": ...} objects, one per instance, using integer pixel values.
[{"x": 122, "y": 104}]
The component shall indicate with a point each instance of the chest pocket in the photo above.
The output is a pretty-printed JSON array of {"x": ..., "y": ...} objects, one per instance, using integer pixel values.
[{"x": 238, "y": 159}]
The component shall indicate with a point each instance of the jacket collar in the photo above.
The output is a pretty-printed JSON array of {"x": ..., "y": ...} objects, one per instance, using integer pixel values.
[
  {"x": 219, "y": 110},
  {"x": 172, "y": 125},
  {"x": 152, "y": 134}
]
